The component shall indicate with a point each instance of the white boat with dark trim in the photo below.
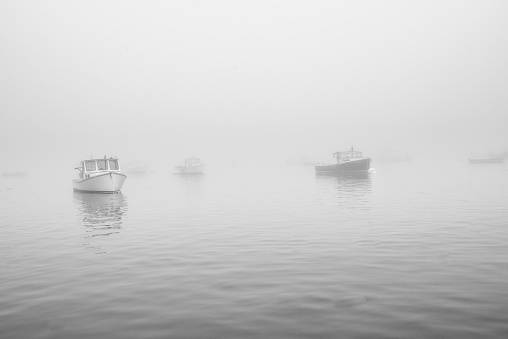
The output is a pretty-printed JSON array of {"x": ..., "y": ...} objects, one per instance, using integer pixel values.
[
  {"x": 347, "y": 162},
  {"x": 99, "y": 176},
  {"x": 192, "y": 166}
]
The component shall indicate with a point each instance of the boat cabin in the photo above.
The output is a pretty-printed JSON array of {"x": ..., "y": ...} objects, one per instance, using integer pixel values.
[
  {"x": 192, "y": 161},
  {"x": 92, "y": 167},
  {"x": 347, "y": 155}
]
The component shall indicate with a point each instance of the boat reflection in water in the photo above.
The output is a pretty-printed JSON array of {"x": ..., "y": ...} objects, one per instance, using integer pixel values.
[
  {"x": 100, "y": 214},
  {"x": 349, "y": 190},
  {"x": 191, "y": 185}
]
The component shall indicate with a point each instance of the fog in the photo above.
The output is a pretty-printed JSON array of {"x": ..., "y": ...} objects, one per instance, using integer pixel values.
[{"x": 253, "y": 82}]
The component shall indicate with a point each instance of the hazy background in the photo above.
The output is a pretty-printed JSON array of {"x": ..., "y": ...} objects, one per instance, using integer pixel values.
[{"x": 250, "y": 81}]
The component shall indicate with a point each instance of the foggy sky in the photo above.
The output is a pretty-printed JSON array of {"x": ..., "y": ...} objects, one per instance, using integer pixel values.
[{"x": 253, "y": 79}]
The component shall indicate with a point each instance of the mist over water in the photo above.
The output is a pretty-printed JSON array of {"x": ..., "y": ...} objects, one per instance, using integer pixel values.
[
  {"x": 271, "y": 80},
  {"x": 258, "y": 246}
]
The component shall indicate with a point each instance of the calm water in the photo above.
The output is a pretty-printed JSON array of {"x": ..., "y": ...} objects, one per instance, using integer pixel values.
[{"x": 412, "y": 251}]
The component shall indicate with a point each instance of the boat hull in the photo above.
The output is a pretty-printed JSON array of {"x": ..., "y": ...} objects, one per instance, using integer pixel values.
[
  {"x": 110, "y": 182},
  {"x": 353, "y": 166},
  {"x": 194, "y": 169}
]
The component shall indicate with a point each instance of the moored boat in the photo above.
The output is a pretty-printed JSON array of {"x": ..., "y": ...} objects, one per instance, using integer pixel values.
[
  {"x": 99, "y": 176},
  {"x": 346, "y": 162},
  {"x": 14, "y": 174},
  {"x": 192, "y": 166},
  {"x": 135, "y": 167},
  {"x": 486, "y": 161}
]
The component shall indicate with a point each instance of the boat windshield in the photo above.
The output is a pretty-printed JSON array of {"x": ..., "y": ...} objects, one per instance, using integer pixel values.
[
  {"x": 101, "y": 164},
  {"x": 90, "y": 166},
  {"x": 113, "y": 165}
]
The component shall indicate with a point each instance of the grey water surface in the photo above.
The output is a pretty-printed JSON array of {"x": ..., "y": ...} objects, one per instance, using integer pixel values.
[{"x": 415, "y": 250}]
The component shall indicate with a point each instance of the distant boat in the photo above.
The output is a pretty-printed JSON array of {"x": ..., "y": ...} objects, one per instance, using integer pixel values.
[
  {"x": 347, "y": 162},
  {"x": 135, "y": 167},
  {"x": 99, "y": 176},
  {"x": 14, "y": 174},
  {"x": 486, "y": 161},
  {"x": 192, "y": 166}
]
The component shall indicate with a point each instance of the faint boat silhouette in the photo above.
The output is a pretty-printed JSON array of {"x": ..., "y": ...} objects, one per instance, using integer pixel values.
[
  {"x": 135, "y": 167},
  {"x": 14, "y": 174},
  {"x": 192, "y": 166},
  {"x": 486, "y": 161}
]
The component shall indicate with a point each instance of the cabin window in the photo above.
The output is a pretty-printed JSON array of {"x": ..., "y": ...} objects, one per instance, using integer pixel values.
[
  {"x": 90, "y": 166},
  {"x": 113, "y": 165},
  {"x": 101, "y": 164}
]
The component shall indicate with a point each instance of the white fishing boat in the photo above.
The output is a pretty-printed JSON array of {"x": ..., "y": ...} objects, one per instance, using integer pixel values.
[
  {"x": 192, "y": 166},
  {"x": 100, "y": 176}
]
